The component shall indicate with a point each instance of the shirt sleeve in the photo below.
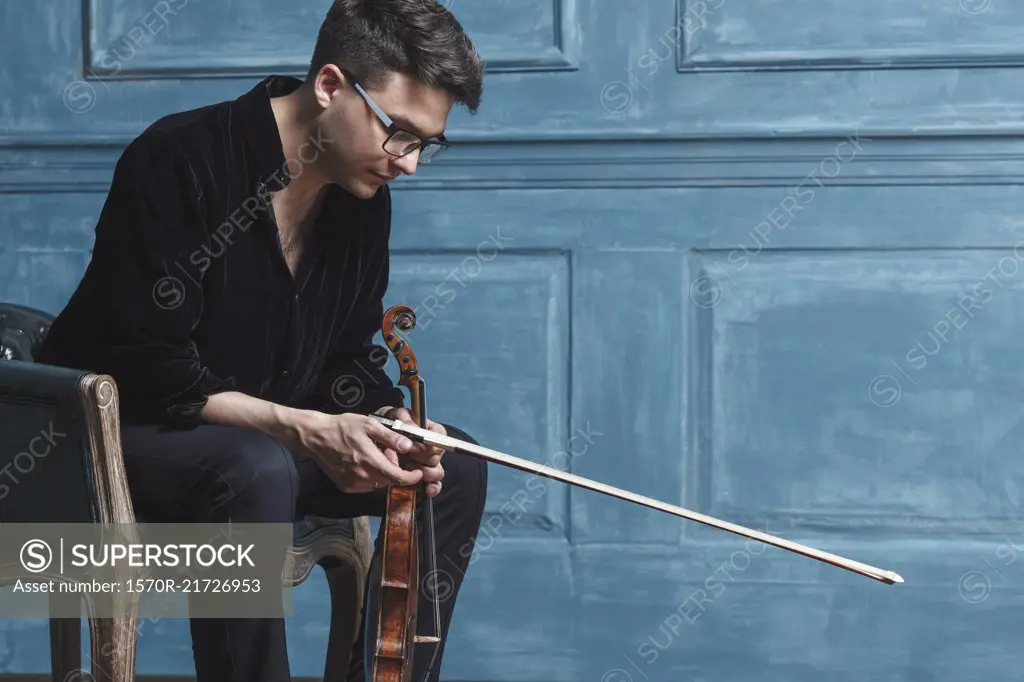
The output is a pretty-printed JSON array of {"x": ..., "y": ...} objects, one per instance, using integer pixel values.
[{"x": 150, "y": 230}]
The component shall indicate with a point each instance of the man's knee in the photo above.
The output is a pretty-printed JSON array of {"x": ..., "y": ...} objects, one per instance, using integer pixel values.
[
  {"x": 466, "y": 472},
  {"x": 474, "y": 464},
  {"x": 456, "y": 432},
  {"x": 260, "y": 478}
]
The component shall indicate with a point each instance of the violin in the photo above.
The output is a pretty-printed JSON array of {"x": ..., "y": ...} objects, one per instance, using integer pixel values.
[{"x": 398, "y": 583}]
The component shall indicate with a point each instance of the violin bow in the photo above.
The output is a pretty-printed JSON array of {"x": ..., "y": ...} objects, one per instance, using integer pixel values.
[{"x": 422, "y": 435}]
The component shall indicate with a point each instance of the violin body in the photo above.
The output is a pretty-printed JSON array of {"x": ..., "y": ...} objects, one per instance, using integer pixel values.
[{"x": 396, "y": 629}]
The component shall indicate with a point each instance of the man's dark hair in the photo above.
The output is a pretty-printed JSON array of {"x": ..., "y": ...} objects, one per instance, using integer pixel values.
[{"x": 420, "y": 38}]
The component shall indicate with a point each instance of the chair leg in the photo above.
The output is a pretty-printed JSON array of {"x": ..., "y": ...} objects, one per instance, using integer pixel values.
[
  {"x": 113, "y": 640},
  {"x": 65, "y": 639},
  {"x": 346, "y": 617}
]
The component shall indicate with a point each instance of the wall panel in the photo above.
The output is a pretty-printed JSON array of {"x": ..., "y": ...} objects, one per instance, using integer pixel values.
[
  {"x": 175, "y": 38},
  {"x": 757, "y": 259}
]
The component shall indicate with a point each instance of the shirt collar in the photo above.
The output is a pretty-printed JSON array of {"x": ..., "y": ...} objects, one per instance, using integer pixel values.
[{"x": 262, "y": 139}]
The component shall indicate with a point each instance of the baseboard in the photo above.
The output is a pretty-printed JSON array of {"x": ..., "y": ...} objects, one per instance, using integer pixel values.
[{"x": 45, "y": 677}]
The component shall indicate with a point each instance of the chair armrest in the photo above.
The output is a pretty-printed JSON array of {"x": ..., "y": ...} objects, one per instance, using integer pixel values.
[{"x": 60, "y": 446}]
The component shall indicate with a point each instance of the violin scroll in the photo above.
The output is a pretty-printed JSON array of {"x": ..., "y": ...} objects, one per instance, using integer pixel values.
[{"x": 403, "y": 318}]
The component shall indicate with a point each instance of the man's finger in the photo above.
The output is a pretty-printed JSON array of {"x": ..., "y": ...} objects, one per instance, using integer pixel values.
[
  {"x": 403, "y": 414},
  {"x": 424, "y": 453},
  {"x": 423, "y": 457},
  {"x": 427, "y": 452},
  {"x": 436, "y": 450},
  {"x": 432, "y": 473},
  {"x": 426, "y": 449},
  {"x": 384, "y": 436},
  {"x": 395, "y": 474}
]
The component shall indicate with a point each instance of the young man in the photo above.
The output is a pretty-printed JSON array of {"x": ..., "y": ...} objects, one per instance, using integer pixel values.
[{"x": 235, "y": 285}]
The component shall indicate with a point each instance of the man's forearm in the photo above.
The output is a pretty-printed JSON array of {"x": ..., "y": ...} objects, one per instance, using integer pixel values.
[{"x": 233, "y": 408}]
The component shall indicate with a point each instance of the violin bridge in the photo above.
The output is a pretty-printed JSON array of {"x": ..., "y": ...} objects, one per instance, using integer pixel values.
[{"x": 423, "y": 639}]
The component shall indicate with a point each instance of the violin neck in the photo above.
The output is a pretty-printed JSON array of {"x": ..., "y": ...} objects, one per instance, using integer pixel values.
[{"x": 418, "y": 396}]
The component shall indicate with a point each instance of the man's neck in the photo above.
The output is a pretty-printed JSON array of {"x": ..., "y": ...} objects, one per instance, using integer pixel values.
[{"x": 297, "y": 129}]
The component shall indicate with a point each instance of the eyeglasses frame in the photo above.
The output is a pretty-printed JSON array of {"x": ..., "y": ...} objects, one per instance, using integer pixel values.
[{"x": 392, "y": 128}]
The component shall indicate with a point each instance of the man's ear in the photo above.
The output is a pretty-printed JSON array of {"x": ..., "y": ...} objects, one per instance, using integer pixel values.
[{"x": 329, "y": 80}]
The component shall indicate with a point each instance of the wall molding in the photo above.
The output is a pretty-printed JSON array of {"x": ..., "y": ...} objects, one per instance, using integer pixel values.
[
  {"x": 110, "y": 58},
  {"x": 84, "y": 165},
  {"x": 46, "y": 677},
  {"x": 689, "y": 57},
  {"x": 840, "y": 60}
]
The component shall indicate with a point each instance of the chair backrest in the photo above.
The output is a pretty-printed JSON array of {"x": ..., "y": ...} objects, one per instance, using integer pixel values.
[
  {"x": 22, "y": 329},
  {"x": 51, "y": 427}
]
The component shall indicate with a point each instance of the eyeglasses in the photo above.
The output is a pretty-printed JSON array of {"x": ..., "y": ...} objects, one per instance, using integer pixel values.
[{"x": 401, "y": 142}]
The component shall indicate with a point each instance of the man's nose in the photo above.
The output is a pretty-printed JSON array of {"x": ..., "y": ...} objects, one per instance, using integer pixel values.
[{"x": 408, "y": 162}]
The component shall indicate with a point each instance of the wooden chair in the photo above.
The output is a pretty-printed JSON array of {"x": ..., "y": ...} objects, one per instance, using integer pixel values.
[{"x": 83, "y": 481}]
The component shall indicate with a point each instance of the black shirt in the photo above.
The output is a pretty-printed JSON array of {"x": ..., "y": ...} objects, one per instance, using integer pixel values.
[{"x": 188, "y": 293}]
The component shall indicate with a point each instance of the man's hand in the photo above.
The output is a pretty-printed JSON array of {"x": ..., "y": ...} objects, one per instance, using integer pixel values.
[
  {"x": 357, "y": 452},
  {"x": 422, "y": 454}
]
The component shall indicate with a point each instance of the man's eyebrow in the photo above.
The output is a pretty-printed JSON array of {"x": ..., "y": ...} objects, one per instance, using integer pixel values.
[{"x": 406, "y": 124}]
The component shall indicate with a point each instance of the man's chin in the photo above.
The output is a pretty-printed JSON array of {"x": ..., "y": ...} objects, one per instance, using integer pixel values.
[{"x": 361, "y": 190}]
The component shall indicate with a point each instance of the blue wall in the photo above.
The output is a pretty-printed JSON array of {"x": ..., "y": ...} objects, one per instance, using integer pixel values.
[{"x": 755, "y": 258}]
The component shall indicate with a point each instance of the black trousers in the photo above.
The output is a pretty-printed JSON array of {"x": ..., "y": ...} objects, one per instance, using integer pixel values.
[{"x": 214, "y": 473}]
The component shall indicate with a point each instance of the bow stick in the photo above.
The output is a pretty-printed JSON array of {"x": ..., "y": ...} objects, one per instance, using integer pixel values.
[{"x": 423, "y": 435}]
